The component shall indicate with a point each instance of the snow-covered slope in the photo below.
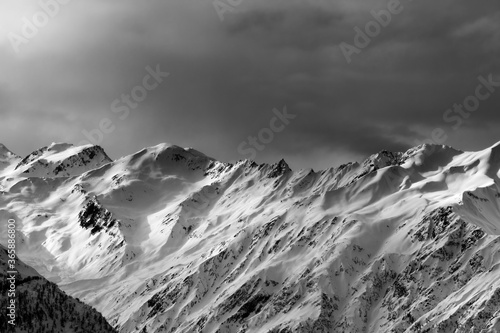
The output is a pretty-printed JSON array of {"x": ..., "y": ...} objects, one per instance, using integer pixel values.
[
  {"x": 62, "y": 160},
  {"x": 170, "y": 240},
  {"x": 40, "y": 306}
]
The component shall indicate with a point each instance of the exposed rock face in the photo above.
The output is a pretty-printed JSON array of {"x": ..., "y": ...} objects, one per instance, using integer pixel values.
[
  {"x": 95, "y": 217},
  {"x": 62, "y": 160}
]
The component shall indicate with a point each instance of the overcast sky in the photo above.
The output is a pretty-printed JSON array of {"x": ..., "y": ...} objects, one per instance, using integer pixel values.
[{"x": 226, "y": 76}]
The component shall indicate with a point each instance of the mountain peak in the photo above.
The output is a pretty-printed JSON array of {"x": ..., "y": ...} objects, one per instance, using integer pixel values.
[
  {"x": 383, "y": 159},
  {"x": 62, "y": 159},
  {"x": 166, "y": 148},
  {"x": 59, "y": 146},
  {"x": 279, "y": 169},
  {"x": 429, "y": 148},
  {"x": 429, "y": 156}
]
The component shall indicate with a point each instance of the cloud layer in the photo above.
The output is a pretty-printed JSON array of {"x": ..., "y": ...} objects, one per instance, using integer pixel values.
[{"x": 227, "y": 76}]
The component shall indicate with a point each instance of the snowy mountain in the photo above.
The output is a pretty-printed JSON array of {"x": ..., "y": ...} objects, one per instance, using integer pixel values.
[
  {"x": 60, "y": 160},
  {"x": 171, "y": 240}
]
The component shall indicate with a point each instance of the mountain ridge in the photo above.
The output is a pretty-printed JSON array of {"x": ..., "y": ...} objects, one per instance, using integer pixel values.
[{"x": 171, "y": 240}]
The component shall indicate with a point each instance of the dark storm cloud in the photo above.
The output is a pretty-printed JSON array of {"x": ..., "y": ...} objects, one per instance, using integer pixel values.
[{"x": 226, "y": 77}]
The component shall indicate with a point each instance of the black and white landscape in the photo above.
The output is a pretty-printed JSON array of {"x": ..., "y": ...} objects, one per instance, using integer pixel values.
[{"x": 249, "y": 166}]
